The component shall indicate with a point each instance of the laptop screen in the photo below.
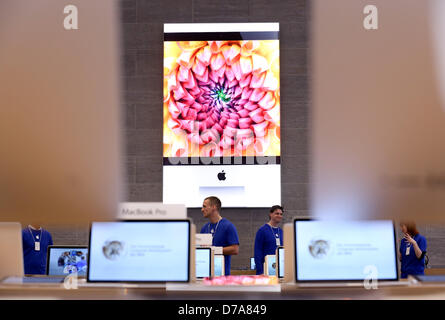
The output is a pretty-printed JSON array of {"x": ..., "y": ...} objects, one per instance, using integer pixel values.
[
  {"x": 345, "y": 250},
  {"x": 64, "y": 260},
  {"x": 139, "y": 251},
  {"x": 203, "y": 265}
]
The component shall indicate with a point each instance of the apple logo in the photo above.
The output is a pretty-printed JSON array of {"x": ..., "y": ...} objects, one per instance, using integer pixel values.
[{"x": 222, "y": 176}]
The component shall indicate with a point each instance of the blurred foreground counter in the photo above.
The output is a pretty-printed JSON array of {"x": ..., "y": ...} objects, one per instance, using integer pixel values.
[{"x": 199, "y": 291}]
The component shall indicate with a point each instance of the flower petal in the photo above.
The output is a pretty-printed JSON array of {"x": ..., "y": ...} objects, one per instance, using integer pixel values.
[
  {"x": 186, "y": 59},
  {"x": 244, "y": 123},
  {"x": 270, "y": 82},
  {"x": 217, "y": 61},
  {"x": 257, "y": 80},
  {"x": 246, "y": 93},
  {"x": 199, "y": 68},
  {"x": 237, "y": 70},
  {"x": 204, "y": 77},
  {"x": 259, "y": 63},
  {"x": 273, "y": 115},
  {"x": 257, "y": 95},
  {"x": 246, "y": 65},
  {"x": 245, "y": 81},
  {"x": 204, "y": 55},
  {"x": 260, "y": 129},
  {"x": 234, "y": 54},
  {"x": 268, "y": 101},
  {"x": 183, "y": 74},
  {"x": 244, "y": 113},
  {"x": 257, "y": 115},
  {"x": 191, "y": 83},
  {"x": 248, "y": 46},
  {"x": 229, "y": 73}
]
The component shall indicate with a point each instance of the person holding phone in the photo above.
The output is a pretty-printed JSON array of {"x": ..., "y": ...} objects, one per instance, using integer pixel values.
[{"x": 412, "y": 250}]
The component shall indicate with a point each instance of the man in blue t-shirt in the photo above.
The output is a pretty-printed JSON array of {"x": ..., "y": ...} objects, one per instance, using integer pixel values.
[
  {"x": 223, "y": 231},
  {"x": 35, "y": 246},
  {"x": 268, "y": 238}
]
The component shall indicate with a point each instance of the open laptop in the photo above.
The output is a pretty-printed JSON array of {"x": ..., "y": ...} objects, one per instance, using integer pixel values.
[
  {"x": 11, "y": 266},
  {"x": 65, "y": 260},
  {"x": 139, "y": 252},
  {"x": 204, "y": 265},
  {"x": 11, "y": 250},
  {"x": 343, "y": 253}
]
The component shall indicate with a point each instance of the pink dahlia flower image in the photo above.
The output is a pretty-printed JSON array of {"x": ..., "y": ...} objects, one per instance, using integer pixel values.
[{"x": 221, "y": 98}]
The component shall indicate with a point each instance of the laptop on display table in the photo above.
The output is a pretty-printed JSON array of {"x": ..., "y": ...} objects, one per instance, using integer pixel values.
[
  {"x": 139, "y": 252},
  {"x": 344, "y": 253},
  {"x": 204, "y": 266},
  {"x": 65, "y": 260},
  {"x": 12, "y": 268}
]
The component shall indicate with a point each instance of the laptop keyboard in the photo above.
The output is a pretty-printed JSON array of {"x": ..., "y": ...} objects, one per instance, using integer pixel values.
[{"x": 24, "y": 280}]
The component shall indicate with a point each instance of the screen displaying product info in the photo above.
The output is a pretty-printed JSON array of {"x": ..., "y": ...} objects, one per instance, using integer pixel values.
[
  {"x": 151, "y": 251},
  {"x": 203, "y": 256},
  {"x": 219, "y": 265}
]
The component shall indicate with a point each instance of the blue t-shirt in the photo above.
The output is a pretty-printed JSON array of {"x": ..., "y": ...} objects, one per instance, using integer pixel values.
[
  {"x": 224, "y": 234},
  {"x": 35, "y": 261},
  {"x": 410, "y": 263},
  {"x": 265, "y": 244}
]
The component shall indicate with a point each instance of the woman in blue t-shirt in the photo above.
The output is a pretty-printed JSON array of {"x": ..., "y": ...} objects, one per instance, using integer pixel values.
[{"x": 412, "y": 250}]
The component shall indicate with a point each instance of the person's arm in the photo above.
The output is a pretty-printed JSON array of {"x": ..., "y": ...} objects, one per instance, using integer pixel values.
[
  {"x": 231, "y": 250},
  {"x": 232, "y": 240}
]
